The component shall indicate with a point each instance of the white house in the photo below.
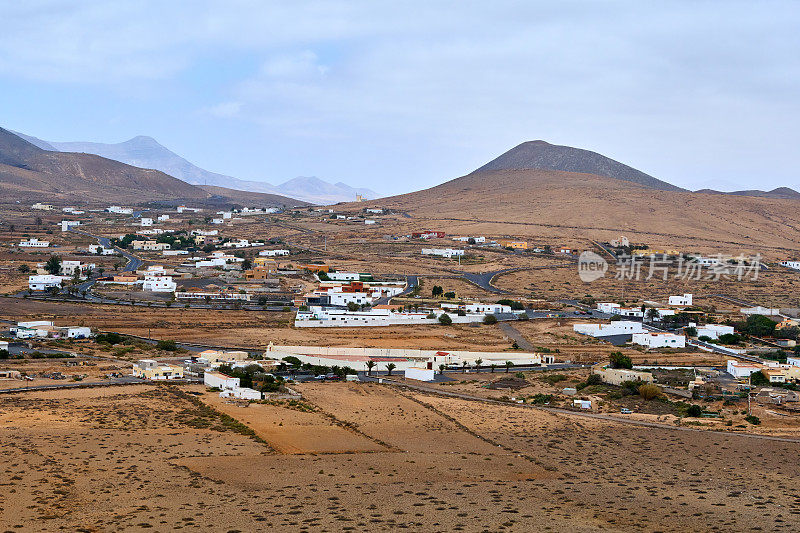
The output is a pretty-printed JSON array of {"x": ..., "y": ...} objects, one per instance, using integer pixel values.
[
  {"x": 42, "y": 282},
  {"x": 67, "y": 224},
  {"x": 344, "y": 276},
  {"x": 69, "y": 268},
  {"x": 713, "y": 331},
  {"x": 219, "y": 381},
  {"x": 159, "y": 284},
  {"x": 33, "y": 242},
  {"x": 479, "y": 308},
  {"x": 205, "y": 232},
  {"x": 98, "y": 249},
  {"x": 120, "y": 210},
  {"x": 791, "y": 264},
  {"x": 241, "y": 393},
  {"x": 78, "y": 332},
  {"x": 217, "y": 221},
  {"x": 608, "y": 307},
  {"x": 680, "y": 301},
  {"x": 42, "y": 207},
  {"x": 163, "y": 218},
  {"x": 618, "y": 327},
  {"x": 653, "y": 339},
  {"x": 183, "y": 209},
  {"x": 146, "y": 222},
  {"x": 273, "y": 253},
  {"x": 740, "y": 369},
  {"x": 759, "y": 310},
  {"x": 369, "y": 222},
  {"x": 443, "y": 252}
]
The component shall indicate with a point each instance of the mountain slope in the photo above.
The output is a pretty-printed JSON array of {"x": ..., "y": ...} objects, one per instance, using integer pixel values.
[
  {"x": 146, "y": 152},
  {"x": 541, "y": 155},
  {"x": 549, "y": 207},
  {"x": 250, "y": 198},
  {"x": 29, "y": 171}
]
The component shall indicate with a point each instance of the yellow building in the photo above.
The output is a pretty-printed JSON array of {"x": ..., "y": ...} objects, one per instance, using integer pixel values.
[
  {"x": 155, "y": 371},
  {"x": 517, "y": 245},
  {"x": 222, "y": 356}
]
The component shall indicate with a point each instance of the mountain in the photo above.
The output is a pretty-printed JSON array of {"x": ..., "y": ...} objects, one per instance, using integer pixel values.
[
  {"x": 566, "y": 208},
  {"x": 250, "y": 198},
  {"x": 780, "y": 192},
  {"x": 146, "y": 152},
  {"x": 541, "y": 155},
  {"x": 29, "y": 172}
]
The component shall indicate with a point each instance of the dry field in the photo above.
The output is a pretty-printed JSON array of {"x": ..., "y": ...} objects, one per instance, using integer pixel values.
[{"x": 359, "y": 457}]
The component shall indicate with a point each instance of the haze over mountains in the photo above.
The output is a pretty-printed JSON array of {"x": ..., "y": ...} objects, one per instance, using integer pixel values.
[
  {"x": 28, "y": 172},
  {"x": 146, "y": 152}
]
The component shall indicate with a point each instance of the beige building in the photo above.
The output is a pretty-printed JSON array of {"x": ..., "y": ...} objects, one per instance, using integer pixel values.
[
  {"x": 617, "y": 376},
  {"x": 222, "y": 356},
  {"x": 155, "y": 371}
]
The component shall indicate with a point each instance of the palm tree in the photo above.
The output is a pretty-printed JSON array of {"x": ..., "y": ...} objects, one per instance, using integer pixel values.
[
  {"x": 509, "y": 364},
  {"x": 370, "y": 366},
  {"x": 463, "y": 366},
  {"x": 441, "y": 369},
  {"x": 390, "y": 367},
  {"x": 493, "y": 366},
  {"x": 478, "y": 363}
]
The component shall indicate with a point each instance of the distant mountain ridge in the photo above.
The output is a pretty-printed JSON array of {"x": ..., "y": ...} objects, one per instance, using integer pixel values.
[
  {"x": 541, "y": 155},
  {"x": 30, "y": 172},
  {"x": 145, "y": 152},
  {"x": 780, "y": 192}
]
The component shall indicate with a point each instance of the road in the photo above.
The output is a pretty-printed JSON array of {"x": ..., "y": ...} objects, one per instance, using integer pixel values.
[{"x": 134, "y": 263}]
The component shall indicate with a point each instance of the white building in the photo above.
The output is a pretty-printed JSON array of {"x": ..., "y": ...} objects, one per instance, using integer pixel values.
[
  {"x": 608, "y": 308},
  {"x": 217, "y": 221},
  {"x": 42, "y": 282},
  {"x": 120, "y": 210},
  {"x": 713, "y": 331},
  {"x": 184, "y": 209},
  {"x": 369, "y": 222},
  {"x": 205, "y": 232},
  {"x": 98, "y": 249},
  {"x": 791, "y": 264},
  {"x": 156, "y": 283},
  {"x": 150, "y": 246},
  {"x": 758, "y": 310},
  {"x": 163, "y": 218},
  {"x": 33, "y": 242},
  {"x": 69, "y": 268},
  {"x": 67, "y": 224},
  {"x": 652, "y": 339},
  {"x": 241, "y": 393},
  {"x": 168, "y": 253},
  {"x": 219, "y": 381},
  {"x": 344, "y": 276},
  {"x": 146, "y": 222},
  {"x": 617, "y": 327},
  {"x": 681, "y": 301},
  {"x": 42, "y": 207},
  {"x": 740, "y": 369},
  {"x": 320, "y": 317},
  {"x": 479, "y": 308},
  {"x": 443, "y": 252},
  {"x": 78, "y": 332},
  {"x": 273, "y": 253}
]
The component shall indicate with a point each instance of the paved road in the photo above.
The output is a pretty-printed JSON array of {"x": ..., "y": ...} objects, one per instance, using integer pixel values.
[{"x": 134, "y": 263}]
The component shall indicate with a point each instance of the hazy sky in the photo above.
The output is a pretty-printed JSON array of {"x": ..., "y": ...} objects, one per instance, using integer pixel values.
[{"x": 398, "y": 96}]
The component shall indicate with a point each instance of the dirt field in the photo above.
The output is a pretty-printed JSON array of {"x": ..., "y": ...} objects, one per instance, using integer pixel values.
[{"x": 368, "y": 457}]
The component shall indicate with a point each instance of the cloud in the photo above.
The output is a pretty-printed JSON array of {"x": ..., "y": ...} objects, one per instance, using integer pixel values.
[{"x": 224, "y": 109}]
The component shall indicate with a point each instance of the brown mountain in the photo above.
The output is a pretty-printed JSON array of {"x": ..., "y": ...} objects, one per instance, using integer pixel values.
[
  {"x": 28, "y": 172},
  {"x": 541, "y": 155},
  {"x": 552, "y": 206}
]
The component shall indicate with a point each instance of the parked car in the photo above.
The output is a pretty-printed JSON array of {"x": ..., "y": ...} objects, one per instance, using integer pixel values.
[{"x": 625, "y": 411}]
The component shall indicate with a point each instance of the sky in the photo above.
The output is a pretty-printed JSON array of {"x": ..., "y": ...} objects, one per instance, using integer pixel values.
[{"x": 399, "y": 96}]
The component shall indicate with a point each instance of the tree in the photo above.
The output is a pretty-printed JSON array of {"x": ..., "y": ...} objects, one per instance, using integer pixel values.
[
  {"x": 730, "y": 338},
  {"x": 493, "y": 366},
  {"x": 441, "y": 369},
  {"x": 594, "y": 379},
  {"x": 759, "y": 325},
  {"x": 437, "y": 290},
  {"x": 445, "y": 319},
  {"x": 167, "y": 345},
  {"x": 450, "y": 295},
  {"x": 53, "y": 265},
  {"x": 38, "y": 222},
  {"x": 489, "y": 320},
  {"x": 618, "y": 360},
  {"x": 758, "y": 378},
  {"x": 247, "y": 264},
  {"x": 292, "y": 360},
  {"x": 390, "y": 367},
  {"x": 471, "y": 240},
  {"x": 694, "y": 411},
  {"x": 478, "y": 363},
  {"x": 24, "y": 269},
  {"x": 509, "y": 364},
  {"x": 651, "y": 314},
  {"x": 117, "y": 265},
  {"x": 648, "y": 391},
  {"x": 370, "y": 366},
  {"x": 463, "y": 366},
  {"x": 690, "y": 331},
  {"x": 100, "y": 271},
  {"x": 352, "y": 306}
]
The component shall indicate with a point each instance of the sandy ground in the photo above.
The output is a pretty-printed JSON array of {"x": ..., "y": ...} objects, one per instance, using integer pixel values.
[{"x": 369, "y": 457}]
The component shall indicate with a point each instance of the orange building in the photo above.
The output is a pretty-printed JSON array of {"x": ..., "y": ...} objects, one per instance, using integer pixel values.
[{"x": 517, "y": 245}]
